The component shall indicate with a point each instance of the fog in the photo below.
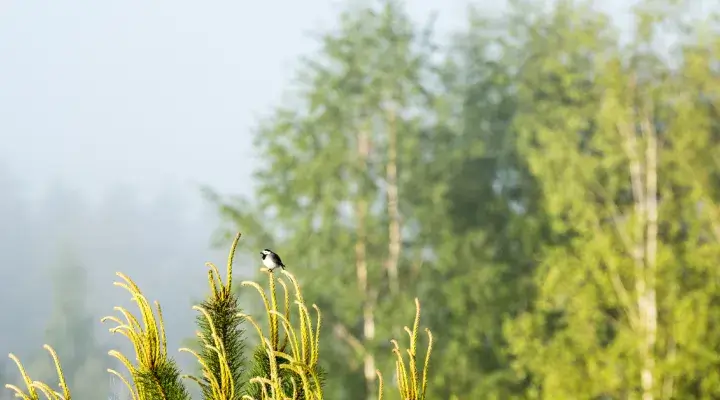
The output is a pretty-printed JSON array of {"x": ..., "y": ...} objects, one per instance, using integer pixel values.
[
  {"x": 112, "y": 114},
  {"x": 162, "y": 243}
]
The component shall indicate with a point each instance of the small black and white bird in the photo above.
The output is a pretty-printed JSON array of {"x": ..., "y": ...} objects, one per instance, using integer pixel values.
[{"x": 271, "y": 260}]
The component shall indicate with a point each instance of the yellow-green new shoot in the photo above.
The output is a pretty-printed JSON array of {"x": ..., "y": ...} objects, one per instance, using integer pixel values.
[
  {"x": 290, "y": 368},
  {"x": 155, "y": 375},
  {"x": 31, "y": 385},
  {"x": 220, "y": 336},
  {"x": 409, "y": 384}
]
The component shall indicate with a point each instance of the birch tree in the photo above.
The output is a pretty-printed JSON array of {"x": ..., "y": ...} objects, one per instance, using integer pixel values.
[
  {"x": 332, "y": 182},
  {"x": 605, "y": 130}
]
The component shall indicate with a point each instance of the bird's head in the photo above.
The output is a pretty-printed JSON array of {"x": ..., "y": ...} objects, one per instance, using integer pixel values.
[{"x": 265, "y": 252}]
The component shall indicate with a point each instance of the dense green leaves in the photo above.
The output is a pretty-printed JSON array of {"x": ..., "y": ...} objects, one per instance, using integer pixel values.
[
  {"x": 325, "y": 181},
  {"x": 547, "y": 182},
  {"x": 227, "y": 325},
  {"x": 557, "y": 188}
]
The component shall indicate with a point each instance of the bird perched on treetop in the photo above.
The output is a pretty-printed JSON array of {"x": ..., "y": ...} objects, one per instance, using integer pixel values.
[{"x": 271, "y": 260}]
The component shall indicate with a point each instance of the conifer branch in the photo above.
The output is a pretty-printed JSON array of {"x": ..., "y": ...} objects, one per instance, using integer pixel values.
[
  {"x": 156, "y": 376},
  {"x": 221, "y": 337},
  {"x": 409, "y": 384},
  {"x": 277, "y": 372},
  {"x": 32, "y": 385}
]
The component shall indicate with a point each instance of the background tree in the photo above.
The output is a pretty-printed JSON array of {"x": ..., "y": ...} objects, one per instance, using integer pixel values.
[
  {"x": 555, "y": 186},
  {"x": 600, "y": 132},
  {"x": 71, "y": 331},
  {"x": 334, "y": 179},
  {"x": 546, "y": 180}
]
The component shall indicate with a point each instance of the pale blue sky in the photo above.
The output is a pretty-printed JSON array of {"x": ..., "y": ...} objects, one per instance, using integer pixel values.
[{"x": 95, "y": 93}]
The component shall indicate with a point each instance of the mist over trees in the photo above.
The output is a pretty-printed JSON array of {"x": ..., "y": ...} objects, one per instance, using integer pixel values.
[
  {"x": 59, "y": 252},
  {"x": 547, "y": 184}
]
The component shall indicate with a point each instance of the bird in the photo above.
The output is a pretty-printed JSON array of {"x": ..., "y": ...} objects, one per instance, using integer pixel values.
[{"x": 271, "y": 260}]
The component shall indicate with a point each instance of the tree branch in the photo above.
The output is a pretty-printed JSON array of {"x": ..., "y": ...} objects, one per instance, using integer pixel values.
[
  {"x": 342, "y": 333},
  {"x": 394, "y": 245}
]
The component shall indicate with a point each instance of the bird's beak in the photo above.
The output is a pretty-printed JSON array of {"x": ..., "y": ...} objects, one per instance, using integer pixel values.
[{"x": 261, "y": 253}]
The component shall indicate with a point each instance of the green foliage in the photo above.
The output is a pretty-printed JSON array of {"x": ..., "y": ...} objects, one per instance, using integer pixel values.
[
  {"x": 600, "y": 133},
  {"x": 548, "y": 181},
  {"x": 410, "y": 384},
  {"x": 557, "y": 181},
  {"x": 156, "y": 375},
  {"x": 336, "y": 159},
  {"x": 162, "y": 382},
  {"x": 285, "y": 365},
  {"x": 34, "y": 386},
  {"x": 221, "y": 337}
]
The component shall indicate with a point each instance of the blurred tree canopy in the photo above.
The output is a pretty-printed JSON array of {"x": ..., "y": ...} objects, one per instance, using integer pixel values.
[
  {"x": 71, "y": 330},
  {"x": 549, "y": 184}
]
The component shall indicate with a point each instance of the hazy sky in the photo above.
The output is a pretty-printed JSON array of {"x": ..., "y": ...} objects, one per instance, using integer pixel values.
[
  {"x": 100, "y": 92},
  {"x": 96, "y": 93}
]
